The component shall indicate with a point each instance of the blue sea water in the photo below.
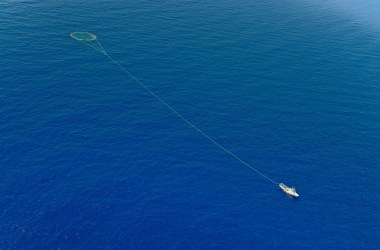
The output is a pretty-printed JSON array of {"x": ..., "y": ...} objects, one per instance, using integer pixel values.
[{"x": 89, "y": 160}]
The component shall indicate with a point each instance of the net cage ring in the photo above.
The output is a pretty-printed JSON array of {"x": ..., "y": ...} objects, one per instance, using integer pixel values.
[{"x": 83, "y": 36}]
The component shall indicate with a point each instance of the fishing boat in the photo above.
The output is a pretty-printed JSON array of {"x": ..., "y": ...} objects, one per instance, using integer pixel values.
[{"x": 290, "y": 191}]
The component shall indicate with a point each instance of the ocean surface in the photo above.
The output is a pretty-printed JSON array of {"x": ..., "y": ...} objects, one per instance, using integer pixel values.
[{"x": 89, "y": 160}]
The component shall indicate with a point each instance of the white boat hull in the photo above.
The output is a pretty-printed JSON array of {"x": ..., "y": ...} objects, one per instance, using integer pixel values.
[{"x": 289, "y": 191}]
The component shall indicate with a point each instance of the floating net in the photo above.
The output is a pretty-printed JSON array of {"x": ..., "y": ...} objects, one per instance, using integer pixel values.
[
  {"x": 83, "y": 36},
  {"x": 88, "y": 39}
]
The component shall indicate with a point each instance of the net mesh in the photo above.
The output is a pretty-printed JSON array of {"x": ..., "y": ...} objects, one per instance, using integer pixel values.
[
  {"x": 89, "y": 39},
  {"x": 83, "y": 36}
]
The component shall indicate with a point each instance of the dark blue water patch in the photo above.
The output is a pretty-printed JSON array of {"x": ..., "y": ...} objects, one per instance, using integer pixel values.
[{"x": 90, "y": 160}]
